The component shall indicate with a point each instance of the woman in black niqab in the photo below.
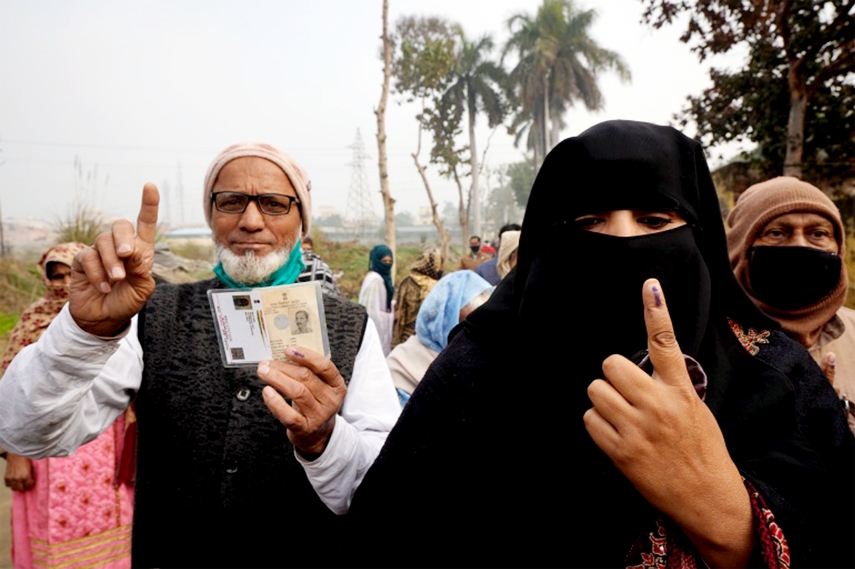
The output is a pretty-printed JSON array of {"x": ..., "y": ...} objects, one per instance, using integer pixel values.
[{"x": 491, "y": 463}]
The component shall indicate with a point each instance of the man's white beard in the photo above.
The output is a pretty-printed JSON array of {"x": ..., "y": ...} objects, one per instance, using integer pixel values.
[{"x": 249, "y": 268}]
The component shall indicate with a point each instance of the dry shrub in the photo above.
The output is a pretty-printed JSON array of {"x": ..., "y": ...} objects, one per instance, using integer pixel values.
[{"x": 82, "y": 223}]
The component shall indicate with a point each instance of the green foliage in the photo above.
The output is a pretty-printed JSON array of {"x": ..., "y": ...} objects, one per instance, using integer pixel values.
[
  {"x": 477, "y": 81},
  {"x": 520, "y": 179},
  {"x": 423, "y": 62},
  {"x": 557, "y": 64},
  {"x": 794, "y": 97},
  {"x": 20, "y": 286},
  {"x": 423, "y": 67},
  {"x": 753, "y": 104},
  {"x": 424, "y": 56},
  {"x": 7, "y": 322},
  {"x": 81, "y": 223},
  {"x": 350, "y": 259}
]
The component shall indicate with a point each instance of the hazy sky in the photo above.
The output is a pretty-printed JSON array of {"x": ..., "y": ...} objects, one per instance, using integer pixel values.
[{"x": 129, "y": 92}]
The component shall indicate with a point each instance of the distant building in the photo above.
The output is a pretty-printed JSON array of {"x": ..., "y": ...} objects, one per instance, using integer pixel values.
[{"x": 199, "y": 232}]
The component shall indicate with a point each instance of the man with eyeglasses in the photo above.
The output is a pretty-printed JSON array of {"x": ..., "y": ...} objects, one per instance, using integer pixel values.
[{"x": 236, "y": 466}]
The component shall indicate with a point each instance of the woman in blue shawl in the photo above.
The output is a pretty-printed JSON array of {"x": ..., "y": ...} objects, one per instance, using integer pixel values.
[{"x": 448, "y": 304}]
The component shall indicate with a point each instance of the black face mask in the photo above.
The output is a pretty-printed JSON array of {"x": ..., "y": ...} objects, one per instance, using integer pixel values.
[
  {"x": 789, "y": 278},
  {"x": 475, "y": 249}
]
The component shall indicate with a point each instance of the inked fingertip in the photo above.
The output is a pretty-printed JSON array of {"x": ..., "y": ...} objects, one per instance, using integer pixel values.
[
  {"x": 657, "y": 295},
  {"x": 295, "y": 353}
]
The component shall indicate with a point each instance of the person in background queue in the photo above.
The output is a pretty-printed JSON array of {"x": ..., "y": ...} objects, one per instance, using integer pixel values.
[
  {"x": 508, "y": 253},
  {"x": 377, "y": 292},
  {"x": 411, "y": 292},
  {"x": 317, "y": 269},
  {"x": 787, "y": 247},
  {"x": 475, "y": 256},
  {"x": 488, "y": 270}
]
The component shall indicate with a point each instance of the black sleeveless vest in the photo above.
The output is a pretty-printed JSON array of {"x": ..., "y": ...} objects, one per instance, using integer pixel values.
[{"x": 217, "y": 481}]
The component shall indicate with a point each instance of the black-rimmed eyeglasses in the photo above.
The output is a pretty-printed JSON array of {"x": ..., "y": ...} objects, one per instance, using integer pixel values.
[{"x": 269, "y": 204}]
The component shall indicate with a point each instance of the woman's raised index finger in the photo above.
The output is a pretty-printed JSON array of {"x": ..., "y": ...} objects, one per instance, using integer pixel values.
[
  {"x": 147, "y": 219},
  {"x": 665, "y": 352}
]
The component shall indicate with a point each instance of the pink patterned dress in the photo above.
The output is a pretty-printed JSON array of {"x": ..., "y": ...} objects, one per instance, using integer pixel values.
[{"x": 78, "y": 515}]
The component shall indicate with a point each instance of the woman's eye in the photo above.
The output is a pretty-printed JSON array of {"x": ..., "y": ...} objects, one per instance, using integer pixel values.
[
  {"x": 587, "y": 221},
  {"x": 654, "y": 221}
]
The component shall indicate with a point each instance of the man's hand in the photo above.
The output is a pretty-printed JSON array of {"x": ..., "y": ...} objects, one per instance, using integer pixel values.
[
  {"x": 316, "y": 389},
  {"x": 665, "y": 440},
  {"x": 111, "y": 280},
  {"x": 19, "y": 473}
]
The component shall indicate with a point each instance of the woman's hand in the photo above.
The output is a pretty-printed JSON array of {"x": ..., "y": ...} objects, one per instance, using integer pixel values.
[
  {"x": 19, "y": 473},
  {"x": 665, "y": 440}
]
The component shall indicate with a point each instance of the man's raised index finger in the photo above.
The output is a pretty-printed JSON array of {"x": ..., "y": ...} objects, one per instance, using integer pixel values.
[
  {"x": 147, "y": 219},
  {"x": 665, "y": 352}
]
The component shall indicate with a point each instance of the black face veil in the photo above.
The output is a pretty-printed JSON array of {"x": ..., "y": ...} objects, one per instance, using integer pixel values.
[{"x": 590, "y": 284}]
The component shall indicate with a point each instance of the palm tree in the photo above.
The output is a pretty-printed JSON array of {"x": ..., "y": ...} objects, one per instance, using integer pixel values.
[
  {"x": 477, "y": 85},
  {"x": 557, "y": 65}
]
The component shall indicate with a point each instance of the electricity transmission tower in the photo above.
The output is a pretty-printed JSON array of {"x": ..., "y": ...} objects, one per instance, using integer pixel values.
[{"x": 359, "y": 214}]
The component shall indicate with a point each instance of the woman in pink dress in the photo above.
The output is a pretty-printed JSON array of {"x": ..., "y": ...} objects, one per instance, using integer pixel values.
[{"x": 69, "y": 512}]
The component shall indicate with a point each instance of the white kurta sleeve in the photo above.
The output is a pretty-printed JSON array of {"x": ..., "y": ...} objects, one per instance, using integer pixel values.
[
  {"x": 369, "y": 412},
  {"x": 67, "y": 388}
]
